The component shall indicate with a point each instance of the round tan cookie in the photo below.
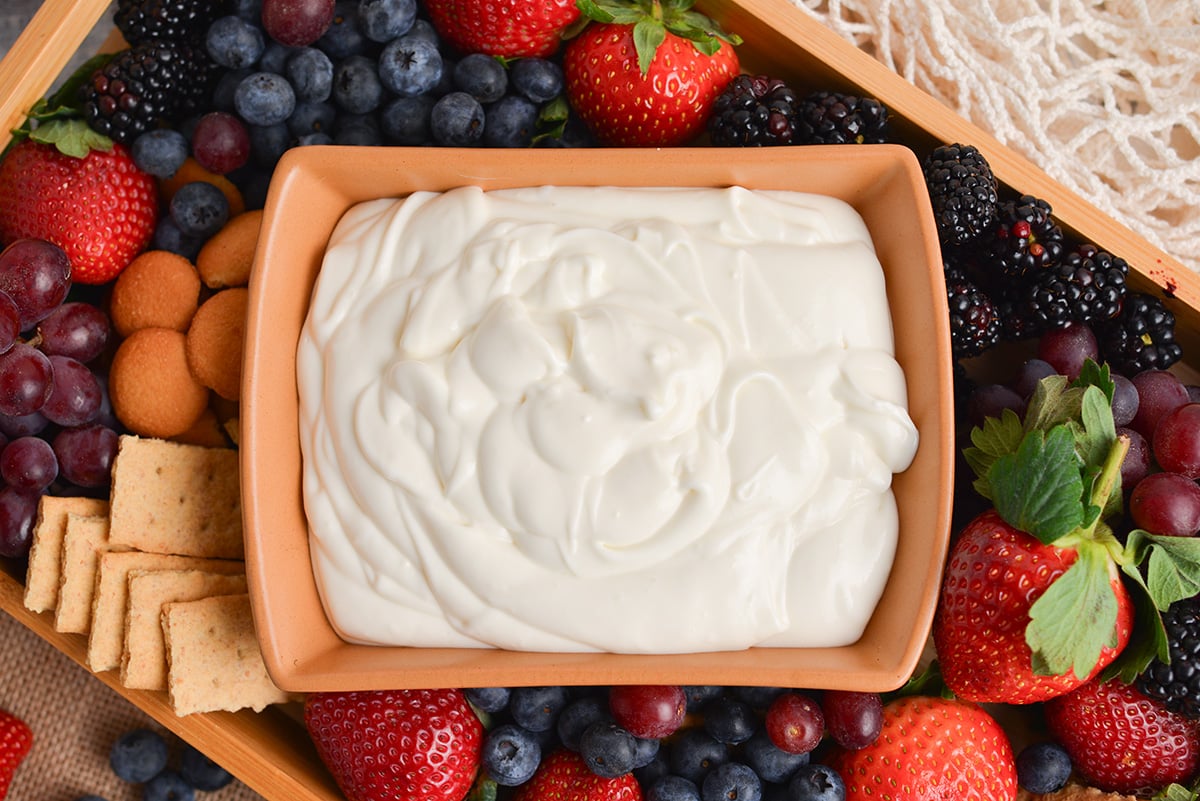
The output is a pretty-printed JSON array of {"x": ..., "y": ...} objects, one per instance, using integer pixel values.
[
  {"x": 152, "y": 390},
  {"x": 215, "y": 339},
  {"x": 159, "y": 289},
  {"x": 226, "y": 258}
]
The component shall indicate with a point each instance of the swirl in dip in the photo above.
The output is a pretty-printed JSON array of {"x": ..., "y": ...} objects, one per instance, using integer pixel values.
[{"x": 580, "y": 419}]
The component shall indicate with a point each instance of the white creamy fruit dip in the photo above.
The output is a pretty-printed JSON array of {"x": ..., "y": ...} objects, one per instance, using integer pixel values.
[{"x": 577, "y": 419}]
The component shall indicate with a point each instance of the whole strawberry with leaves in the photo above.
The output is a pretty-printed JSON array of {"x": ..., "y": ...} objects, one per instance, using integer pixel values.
[
  {"x": 16, "y": 740},
  {"x": 65, "y": 183},
  {"x": 645, "y": 73},
  {"x": 504, "y": 28},
  {"x": 929, "y": 749},
  {"x": 418, "y": 745},
  {"x": 1039, "y": 596}
]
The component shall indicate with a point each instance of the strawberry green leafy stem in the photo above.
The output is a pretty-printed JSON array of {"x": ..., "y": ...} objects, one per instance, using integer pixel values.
[
  {"x": 58, "y": 119},
  {"x": 652, "y": 19}
]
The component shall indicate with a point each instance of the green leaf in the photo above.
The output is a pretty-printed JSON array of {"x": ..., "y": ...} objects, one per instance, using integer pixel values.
[
  {"x": 1096, "y": 375},
  {"x": 998, "y": 436},
  {"x": 1149, "y": 638},
  {"x": 1173, "y": 570},
  {"x": 1051, "y": 404},
  {"x": 1099, "y": 432},
  {"x": 1038, "y": 489},
  {"x": 592, "y": 10},
  {"x": 648, "y": 34},
  {"x": 484, "y": 789},
  {"x": 1074, "y": 618},
  {"x": 1175, "y": 792},
  {"x": 71, "y": 137}
]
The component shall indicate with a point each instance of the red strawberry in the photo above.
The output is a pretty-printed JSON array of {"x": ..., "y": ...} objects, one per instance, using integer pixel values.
[
  {"x": 1120, "y": 740},
  {"x": 993, "y": 577},
  {"x": 419, "y": 745},
  {"x": 15, "y": 741},
  {"x": 508, "y": 28},
  {"x": 100, "y": 208},
  {"x": 564, "y": 776},
  {"x": 647, "y": 73},
  {"x": 930, "y": 749}
]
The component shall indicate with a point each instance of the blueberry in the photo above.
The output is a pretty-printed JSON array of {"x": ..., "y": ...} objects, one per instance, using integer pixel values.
[
  {"x": 510, "y": 754},
  {"x": 578, "y": 715},
  {"x": 647, "y": 751},
  {"x": 457, "y": 120},
  {"x": 160, "y": 152},
  {"x": 234, "y": 43},
  {"x": 729, "y": 720},
  {"x": 168, "y": 786},
  {"x": 384, "y": 20},
  {"x": 410, "y": 66},
  {"x": 481, "y": 76},
  {"x": 1043, "y": 767},
  {"x": 488, "y": 699},
  {"x": 249, "y": 10},
  {"x": 167, "y": 236},
  {"x": 357, "y": 129},
  {"x": 536, "y": 79},
  {"x": 310, "y": 72},
  {"x": 758, "y": 697},
  {"x": 138, "y": 755},
  {"x": 731, "y": 780},
  {"x": 311, "y": 118},
  {"x": 673, "y": 788},
  {"x": 357, "y": 88},
  {"x": 268, "y": 143},
  {"x": 510, "y": 122},
  {"x": 770, "y": 762},
  {"x": 698, "y": 695},
  {"x": 227, "y": 84},
  {"x": 199, "y": 209},
  {"x": 693, "y": 753},
  {"x": 343, "y": 37},
  {"x": 816, "y": 782},
  {"x": 201, "y": 772},
  {"x": 607, "y": 749},
  {"x": 275, "y": 57},
  {"x": 264, "y": 98},
  {"x": 423, "y": 29},
  {"x": 537, "y": 708},
  {"x": 318, "y": 138},
  {"x": 653, "y": 770},
  {"x": 405, "y": 120}
]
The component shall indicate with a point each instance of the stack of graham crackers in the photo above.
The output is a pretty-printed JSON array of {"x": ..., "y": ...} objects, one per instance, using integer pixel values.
[{"x": 154, "y": 577}]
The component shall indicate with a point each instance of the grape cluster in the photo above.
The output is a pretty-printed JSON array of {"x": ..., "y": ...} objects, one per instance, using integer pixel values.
[
  {"x": 57, "y": 432},
  {"x": 682, "y": 743}
]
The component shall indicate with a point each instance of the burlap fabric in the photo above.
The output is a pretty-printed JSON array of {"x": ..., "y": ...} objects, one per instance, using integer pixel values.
[{"x": 75, "y": 719}]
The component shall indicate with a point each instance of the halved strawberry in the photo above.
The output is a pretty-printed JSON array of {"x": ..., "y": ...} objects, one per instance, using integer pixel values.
[{"x": 646, "y": 73}]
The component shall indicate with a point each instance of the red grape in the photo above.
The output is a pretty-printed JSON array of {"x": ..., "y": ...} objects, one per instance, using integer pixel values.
[
  {"x": 17, "y": 513},
  {"x": 10, "y": 321},
  {"x": 28, "y": 464},
  {"x": 1159, "y": 394},
  {"x": 25, "y": 380},
  {"x": 74, "y": 395},
  {"x": 1068, "y": 348},
  {"x": 1124, "y": 400},
  {"x": 795, "y": 723},
  {"x": 853, "y": 719},
  {"x": 1136, "y": 465},
  {"x": 1166, "y": 503},
  {"x": 220, "y": 142},
  {"x": 296, "y": 23},
  {"x": 1032, "y": 371},
  {"x": 36, "y": 274},
  {"x": 648, "y": 710},
  {"x": 85, "y": 454},
  {"x": 78, "y": 330},
  {"x": 1176, "y": 442}
]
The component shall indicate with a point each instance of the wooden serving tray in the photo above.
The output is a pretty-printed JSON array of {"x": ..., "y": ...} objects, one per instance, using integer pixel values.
[{"x": 270, "y": 751}]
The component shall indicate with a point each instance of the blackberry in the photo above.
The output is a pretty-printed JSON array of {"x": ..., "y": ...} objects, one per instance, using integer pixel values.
[
  {"x": 1025, "y": 239},
  {"x": 832, "y": 118},
  {"x": 143, "y": 85},
  {"x": 753, "y": 111},
  {"x": 167, "y": 20},
  {"x": 1087, "y": 286},
  {"x": 974, "y": 320},
  {"x": 1177, "y": 683},
  {"x": 963, "y": 193},
  {"x": 1141, "y": 336}
]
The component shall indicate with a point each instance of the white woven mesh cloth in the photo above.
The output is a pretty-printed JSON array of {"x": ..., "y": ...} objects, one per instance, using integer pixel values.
[{"x": 1104, "y": 95}]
